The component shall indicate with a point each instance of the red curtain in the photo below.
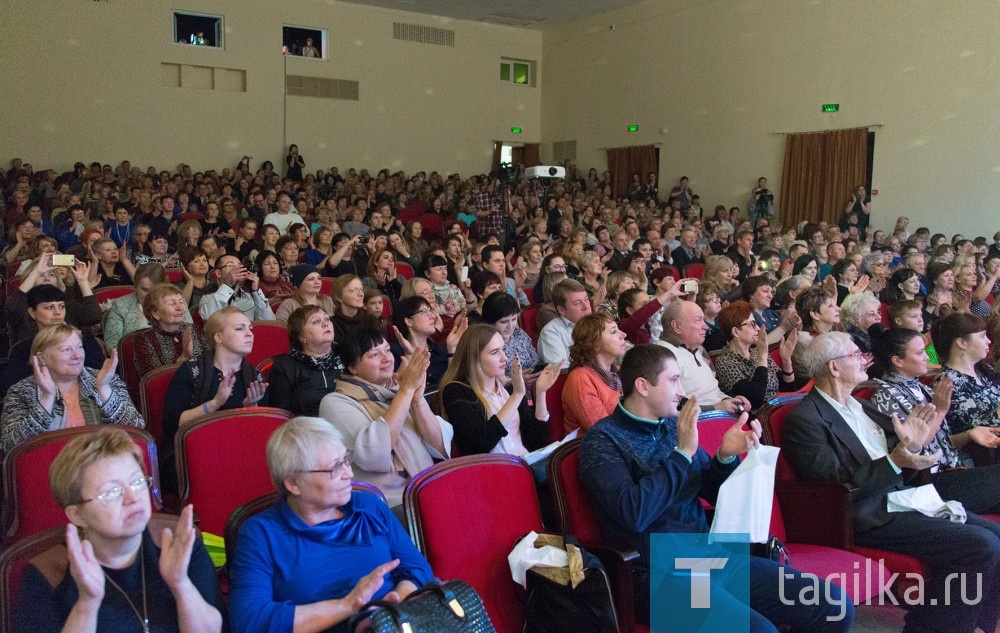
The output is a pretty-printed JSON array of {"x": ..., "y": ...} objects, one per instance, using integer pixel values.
[
  {"x": 821, "y": 171},
  {"x": 625, "y": 161}
]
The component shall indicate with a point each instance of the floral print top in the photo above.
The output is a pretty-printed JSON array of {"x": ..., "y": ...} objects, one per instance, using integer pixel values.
[{"x": 972, "y": 404}]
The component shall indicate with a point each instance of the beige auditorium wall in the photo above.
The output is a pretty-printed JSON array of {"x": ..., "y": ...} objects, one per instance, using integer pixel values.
[
  {"x": 83, "y": 81},
  {"x": 712, "y": 80}
]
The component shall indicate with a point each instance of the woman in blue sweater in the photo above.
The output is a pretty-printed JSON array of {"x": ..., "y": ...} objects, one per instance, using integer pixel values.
[{"x": 323, "y": 551}]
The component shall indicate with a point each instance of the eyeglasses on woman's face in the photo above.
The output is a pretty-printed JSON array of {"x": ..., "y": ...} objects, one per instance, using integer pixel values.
[
  {"x": 336, "y": 469},
  {"x": 117, "y": 493}
]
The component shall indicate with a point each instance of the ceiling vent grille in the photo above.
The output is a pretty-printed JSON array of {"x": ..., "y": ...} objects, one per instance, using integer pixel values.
[
  {"x": 302, "y": 86},
  {"x": 423, "y": 34}
]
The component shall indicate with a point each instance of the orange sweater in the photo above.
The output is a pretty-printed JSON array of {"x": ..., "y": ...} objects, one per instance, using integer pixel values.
[{"x": 586, "y": 399}]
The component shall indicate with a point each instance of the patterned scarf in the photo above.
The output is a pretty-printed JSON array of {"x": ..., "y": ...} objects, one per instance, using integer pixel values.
[
  {"x": 320, "y": 363},
  {"x": 609, "y": 378}
]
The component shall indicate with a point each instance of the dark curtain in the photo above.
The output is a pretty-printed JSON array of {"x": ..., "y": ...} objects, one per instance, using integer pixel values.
[
  {"x": 821, "y": 171},
  {"x": 625, "y": 161},
  {"x": 532, "y": 157},
  {"x": 517, "y": 156}
]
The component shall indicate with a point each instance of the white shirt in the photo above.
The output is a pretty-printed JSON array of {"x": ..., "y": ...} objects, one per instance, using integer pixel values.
[
  {"x": 697, "y": 375},
  {"x": 871, "y": 435},
  {"x": 283, "y": 221},
  {"x": 554, "y": 340}
]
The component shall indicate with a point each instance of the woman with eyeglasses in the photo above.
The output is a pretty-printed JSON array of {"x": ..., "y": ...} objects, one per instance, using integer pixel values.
[
  {"x": 745, "y": 368},
  {"x": 62, "y": 392},
  {"x": 383, "y": 416},
  {"x": 414, "y": 323},
  {"x": 122, "y": 568},
  {"x": 314, "y": 559},
  {"x": 859, "y": 312}
]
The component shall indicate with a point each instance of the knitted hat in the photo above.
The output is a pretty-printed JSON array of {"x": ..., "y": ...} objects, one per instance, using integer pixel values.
[
  {"x": 299, "y": 272},
  {"x": 44, "y": 294}
]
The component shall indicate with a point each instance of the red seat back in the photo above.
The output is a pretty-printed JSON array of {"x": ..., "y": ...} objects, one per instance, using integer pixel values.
[
  {"x": 712, "y": 425},
  {"x": 218, "y": 481},
  {"x": 386, "y": 307},
  {"x": 152, "y": 396},
  {"x": 530, "y": 294},
  {"x": 490, "y": 496},
  {"x": 676, "y": 274},
  {"x": 29, "y": 507},
  {"x": 174, "y": 275},
  {"x": 772, "y": 419},
  {"x": 264, "y": 367},
  {"x": 127, "y": 365},
  {"x": 269, "y": 339},
  {"x": 553, "y": 399},
  {"x": 696, "y": 271},
  {"x": 326, "y": 286},
  {"x": 13, "y": 562},
  {"x": 112, "y": 292},
  {"x": 865, "y": 390},
  {"x": 404, "y": 269},
  {"x": 576, "y": 516},
  {"x": 529, "y": 317},
  {"x": 433, "y": 225}
]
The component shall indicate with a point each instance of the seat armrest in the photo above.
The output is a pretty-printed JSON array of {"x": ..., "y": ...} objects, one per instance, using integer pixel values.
[{"x": 818, "y": 512}]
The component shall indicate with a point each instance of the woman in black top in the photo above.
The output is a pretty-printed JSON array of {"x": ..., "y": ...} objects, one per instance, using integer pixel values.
[{"x": 300, "y": 378}]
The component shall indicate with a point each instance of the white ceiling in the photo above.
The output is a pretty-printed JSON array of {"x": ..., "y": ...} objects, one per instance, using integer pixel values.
[{"x": 532, "y": 14}]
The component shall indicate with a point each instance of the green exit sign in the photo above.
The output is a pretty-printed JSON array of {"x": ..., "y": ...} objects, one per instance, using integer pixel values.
[
  {"x": 633, "y": 128},
  {"x": 831, "y": 107},
  {"x": 515, "y": 130}
]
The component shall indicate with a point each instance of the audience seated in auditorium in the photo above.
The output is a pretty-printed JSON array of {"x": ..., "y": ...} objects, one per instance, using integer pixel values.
[
  {"x": 274, "y": 280},
  {"x": 197, "y": 282},
  {"x": 385, "y": 419},
  {"x": 414, "y": 323},
  {"x": 80, "y": 304},
  {"x": 124, "y": 314},
  {"x": 488, "y": 416},
  {"x": 962, "y": 344},
  {"x": 349, "y": 302},
  {"x": 63, "y": 392},
  {"x": 111, "y": 540}
]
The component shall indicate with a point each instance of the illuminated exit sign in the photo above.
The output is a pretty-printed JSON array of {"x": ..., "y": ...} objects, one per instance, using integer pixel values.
[
  {"x": 515, "y": 130},
  {"x": 831, "y": 107}
]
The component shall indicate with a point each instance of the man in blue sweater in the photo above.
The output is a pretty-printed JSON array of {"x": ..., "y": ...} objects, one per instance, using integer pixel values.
[{"x": 644, "y": 472}]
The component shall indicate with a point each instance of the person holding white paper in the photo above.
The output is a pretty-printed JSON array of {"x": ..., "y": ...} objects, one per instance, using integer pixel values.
[{"x": 644, "y": 472}]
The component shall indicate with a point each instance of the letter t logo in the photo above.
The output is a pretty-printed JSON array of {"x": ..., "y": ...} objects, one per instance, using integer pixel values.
[{"x": 701, "y": 580}]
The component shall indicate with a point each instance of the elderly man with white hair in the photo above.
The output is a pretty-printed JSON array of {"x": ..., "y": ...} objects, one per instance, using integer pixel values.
[{"x": 830, "y": 437}]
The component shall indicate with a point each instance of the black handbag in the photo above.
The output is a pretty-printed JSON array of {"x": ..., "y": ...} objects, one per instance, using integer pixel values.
[
  {"x": 555, "y": 605},
  {"x": 452, "y": 607}
]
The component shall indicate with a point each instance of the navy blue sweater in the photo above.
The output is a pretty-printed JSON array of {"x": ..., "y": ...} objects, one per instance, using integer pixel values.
[{"x": 638, "y": 483}]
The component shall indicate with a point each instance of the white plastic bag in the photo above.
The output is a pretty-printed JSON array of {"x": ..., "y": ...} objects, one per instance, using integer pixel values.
[{"x": 745, "y": 498}]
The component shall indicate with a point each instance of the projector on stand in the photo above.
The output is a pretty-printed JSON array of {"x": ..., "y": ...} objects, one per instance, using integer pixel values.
[{"x": 545, "y": 171}]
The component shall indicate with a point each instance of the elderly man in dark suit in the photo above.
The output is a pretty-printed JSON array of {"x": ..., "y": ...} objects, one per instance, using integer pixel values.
[{"x": 830, "y": 437}]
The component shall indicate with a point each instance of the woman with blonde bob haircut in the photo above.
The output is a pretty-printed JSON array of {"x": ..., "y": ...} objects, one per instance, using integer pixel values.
[
  {"x": 593, "y": 387},
  {"x": 62, "y": 392},
  {"x": 121, "y": 564},
  {"x": 319, "y": 555},
  {"x": 487, "y": 417}
]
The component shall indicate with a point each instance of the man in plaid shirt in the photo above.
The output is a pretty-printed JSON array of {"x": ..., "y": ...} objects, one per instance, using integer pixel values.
[{"x": 490, "y": 208}]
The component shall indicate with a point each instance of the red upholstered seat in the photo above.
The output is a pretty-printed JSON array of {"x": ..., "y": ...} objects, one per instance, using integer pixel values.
[
  {"x": 270, "y": 338},
  {"x": 576, "y": 517},
  {"x": 528, "y": 319},
  {"x": 174, "y": 275},
  {"x": 696, "y": 271},
  {"x": 326, "y": 286},
  {"x": 264, "y": 367},
  {"x": 29, "y": 507},
  {"x": 152, "y": 396},
  {"x": 221, "y": 461},
  {"x": 465, "y": 516},
  {"x": 13, "y": 562},
  {"x": 553, "y": 399},
  {"x": 821, "y": 512},
  {"x": 126, "y": 363},
  {"x": 112, "y": 292},
  {"x": 865, "y": 390},
  {"x": 433, "y": 225},
  {"x": 404, "y": 269},
  {"x": 676, "y": 274},
  {"x": 530, "y": 294}
]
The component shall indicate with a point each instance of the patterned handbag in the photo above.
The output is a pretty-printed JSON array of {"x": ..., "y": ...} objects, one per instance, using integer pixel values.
[{"x": 452, "y": 607}]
